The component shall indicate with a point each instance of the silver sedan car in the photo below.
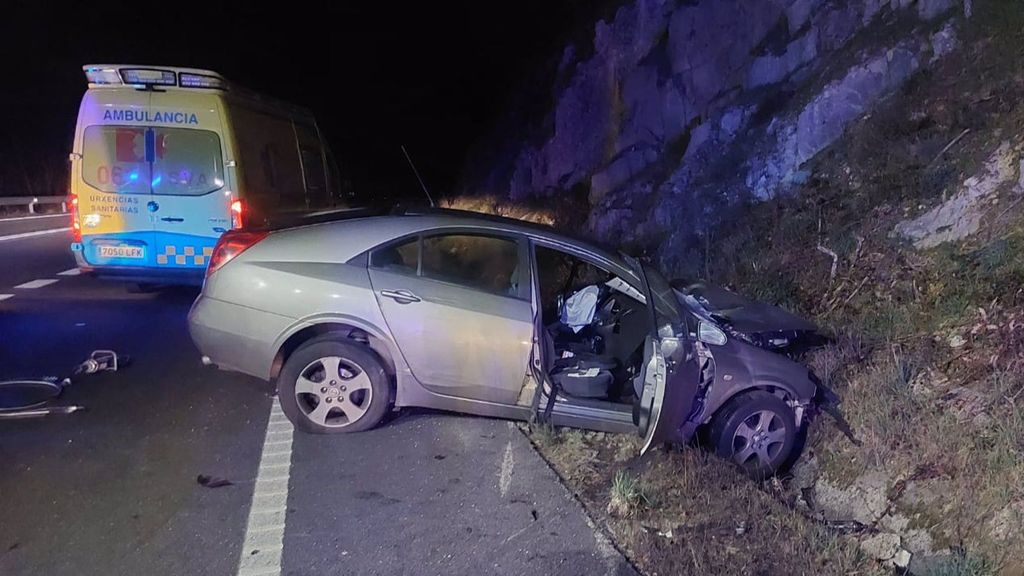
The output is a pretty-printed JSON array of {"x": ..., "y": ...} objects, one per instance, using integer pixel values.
[{"x": 356, "y": 314}]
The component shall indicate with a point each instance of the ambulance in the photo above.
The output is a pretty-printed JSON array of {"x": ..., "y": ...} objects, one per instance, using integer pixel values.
[{"x": 167, "y": 159}]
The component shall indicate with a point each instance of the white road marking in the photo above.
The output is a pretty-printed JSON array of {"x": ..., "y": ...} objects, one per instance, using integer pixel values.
[
  {"x": 35, "y": 217},
  {"x": 507, "y": 463},
  {"x": 264, "y": 532},
  {"x": 31, "y": 234},
  {"x": 71, "y": 272},
  {"x": 5, "y": 297},
  {"x": 35, "y": 284}
]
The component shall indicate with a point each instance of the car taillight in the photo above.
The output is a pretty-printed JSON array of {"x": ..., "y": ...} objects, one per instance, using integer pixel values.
[
  {"x": 231, "y": 244},
  {"x": 237, "y": 212},
  {"x": 76, "y": 226}
]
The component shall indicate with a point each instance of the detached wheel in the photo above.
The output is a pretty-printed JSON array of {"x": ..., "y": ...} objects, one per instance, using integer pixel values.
[
  {"x": 330, "y": 386},
  {"x": 757, "y": 432}
]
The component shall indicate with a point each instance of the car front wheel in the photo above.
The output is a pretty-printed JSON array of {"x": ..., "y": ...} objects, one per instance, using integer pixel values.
[
  {"x": 330, "y": 386},
  {"x": 757, "y": 432}
]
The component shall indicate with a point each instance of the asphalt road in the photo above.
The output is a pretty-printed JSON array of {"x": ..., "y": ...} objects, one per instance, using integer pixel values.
[{"x": 113, "y": 490}]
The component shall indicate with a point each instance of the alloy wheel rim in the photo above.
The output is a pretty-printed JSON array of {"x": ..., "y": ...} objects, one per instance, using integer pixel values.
[
  {"x": 758, "y": 439},
  {"x": 333, "y": 391}
]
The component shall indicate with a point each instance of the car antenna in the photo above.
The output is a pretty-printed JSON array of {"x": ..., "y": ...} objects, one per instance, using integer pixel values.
[{"x": 417, "y": 173}]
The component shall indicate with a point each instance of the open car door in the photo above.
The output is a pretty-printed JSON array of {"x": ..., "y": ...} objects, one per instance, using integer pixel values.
[{"x": 667, "y": 386}]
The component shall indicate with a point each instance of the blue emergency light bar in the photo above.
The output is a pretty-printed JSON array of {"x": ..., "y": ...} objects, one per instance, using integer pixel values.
[
  {"x": 139, "y": 76},
  {"x": 148, "y": 77}
]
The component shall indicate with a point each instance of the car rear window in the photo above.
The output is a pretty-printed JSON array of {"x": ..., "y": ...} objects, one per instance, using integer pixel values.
[{"x": 157, "y": 160}]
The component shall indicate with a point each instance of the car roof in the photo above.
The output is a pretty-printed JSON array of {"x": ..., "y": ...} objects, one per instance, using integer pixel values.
[{"x": 424, "y": 219}]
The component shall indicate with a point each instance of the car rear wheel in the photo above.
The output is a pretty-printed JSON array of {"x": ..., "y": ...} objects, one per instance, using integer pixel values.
[
  {"x": 330, "y": 386},
  {"x": 757, "y": 432}
]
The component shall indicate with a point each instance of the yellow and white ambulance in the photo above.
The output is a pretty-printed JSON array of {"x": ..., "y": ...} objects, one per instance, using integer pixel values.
[{"x": 166, "y": 159}]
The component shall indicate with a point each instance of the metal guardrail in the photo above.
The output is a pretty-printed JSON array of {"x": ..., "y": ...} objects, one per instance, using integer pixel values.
[{"x": 33, "y": 201}]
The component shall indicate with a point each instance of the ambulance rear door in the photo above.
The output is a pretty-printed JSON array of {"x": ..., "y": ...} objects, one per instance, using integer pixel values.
[
  {"x": 190, "y": 194},
  {"x": 112, "y": 179}
]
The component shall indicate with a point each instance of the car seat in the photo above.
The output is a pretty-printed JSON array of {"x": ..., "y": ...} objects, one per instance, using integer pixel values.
[{"x": 583, "y": 375}]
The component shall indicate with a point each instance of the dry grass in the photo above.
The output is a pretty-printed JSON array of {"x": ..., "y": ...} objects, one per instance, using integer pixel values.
[
  {"x": 684, "y": 512},
  {"x": 538, "y": 213}
]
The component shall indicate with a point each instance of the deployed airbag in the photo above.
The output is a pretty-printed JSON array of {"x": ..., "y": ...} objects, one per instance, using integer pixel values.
[{"x": 578, "y": 309}]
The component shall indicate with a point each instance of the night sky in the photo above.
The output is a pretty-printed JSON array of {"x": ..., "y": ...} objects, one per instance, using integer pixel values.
[{"x": 435, "y": 76}]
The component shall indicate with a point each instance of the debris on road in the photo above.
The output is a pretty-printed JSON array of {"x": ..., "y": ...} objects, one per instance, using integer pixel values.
[
  {"x": 101, "y": 361},
  {"x": 37, "y": 412},
  {"x": 28, "y": 398},
  {"x": 213, "y": 481}
]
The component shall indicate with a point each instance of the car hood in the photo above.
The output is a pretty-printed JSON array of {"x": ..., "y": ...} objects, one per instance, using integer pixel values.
[{"x": 763, "y": 324}]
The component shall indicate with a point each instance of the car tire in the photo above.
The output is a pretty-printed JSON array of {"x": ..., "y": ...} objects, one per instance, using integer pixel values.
[
  {"x": 757, "y": 432},
  {"x": 355, "y": 399}
]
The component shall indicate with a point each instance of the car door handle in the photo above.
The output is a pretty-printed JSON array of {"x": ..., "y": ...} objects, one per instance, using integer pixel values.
[
  {"x": 172, "y": 219},
  {"x": 400, "y": 296}
]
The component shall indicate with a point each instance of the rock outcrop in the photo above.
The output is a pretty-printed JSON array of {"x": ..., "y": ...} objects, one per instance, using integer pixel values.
[{"x": 681, "y": 109}]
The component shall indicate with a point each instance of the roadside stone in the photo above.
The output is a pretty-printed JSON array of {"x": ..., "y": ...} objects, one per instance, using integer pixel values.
[
  {"x": 865, "y": 500},
  {"x": 961, "y": 215},
  {"x": 1007, "y": 522},
  {"x": 902, "y": 559},
  {"x": 894, "y": 523},
  {"x": 882, "y": 546},
  {"x": 918, "y": 541}
]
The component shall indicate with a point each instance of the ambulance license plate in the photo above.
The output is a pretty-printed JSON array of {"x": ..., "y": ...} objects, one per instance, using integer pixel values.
[{"x": 122, "y": 251}]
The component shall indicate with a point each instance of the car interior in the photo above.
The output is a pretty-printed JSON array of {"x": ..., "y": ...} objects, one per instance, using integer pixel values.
[{"x": 594, "y": 329}]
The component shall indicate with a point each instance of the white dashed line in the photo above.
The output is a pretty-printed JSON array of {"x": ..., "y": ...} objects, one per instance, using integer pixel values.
[
  {"x": 5, "y": 297},
  {"x": 31, "y": 234},
  {"x": 264, "y": 533},
  {"x": 71, "y": 272},
  {"x": 35, "y": 284},
  {"x": 505, "y": 475}
]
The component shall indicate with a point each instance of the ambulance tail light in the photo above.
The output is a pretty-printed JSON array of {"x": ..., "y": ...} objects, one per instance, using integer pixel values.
[
  {"x": 231, "y": 244},
  {"x": 237, "y": 214},
  {"x": 76, "y": 226}
]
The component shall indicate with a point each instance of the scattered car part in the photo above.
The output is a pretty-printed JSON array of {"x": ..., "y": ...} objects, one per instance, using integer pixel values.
[
  {"x": 27, "y": 398},
  {"x": 37, "y": 412},
  {"x": 99, "y": 361},
  {"x": 16, "y": 395}
]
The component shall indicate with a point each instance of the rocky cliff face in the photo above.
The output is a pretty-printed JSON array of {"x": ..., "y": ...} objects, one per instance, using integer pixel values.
[{"x": 683, "y": 109}]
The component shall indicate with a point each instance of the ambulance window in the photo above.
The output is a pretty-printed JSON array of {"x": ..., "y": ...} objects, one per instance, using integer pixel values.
[
  {"x": 143, "y": 160},
  {"x": 187, "y": 162},
  {"x": 114, "y": 159}
]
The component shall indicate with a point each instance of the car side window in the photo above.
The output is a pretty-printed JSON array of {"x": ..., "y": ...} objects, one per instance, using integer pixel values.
[
  {"x": 402, "y": 257},
  {"x": 481, "y": 262}
]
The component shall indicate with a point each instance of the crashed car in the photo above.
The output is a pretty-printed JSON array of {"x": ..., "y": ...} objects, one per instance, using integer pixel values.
[{"x": 358, "y": 313}]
